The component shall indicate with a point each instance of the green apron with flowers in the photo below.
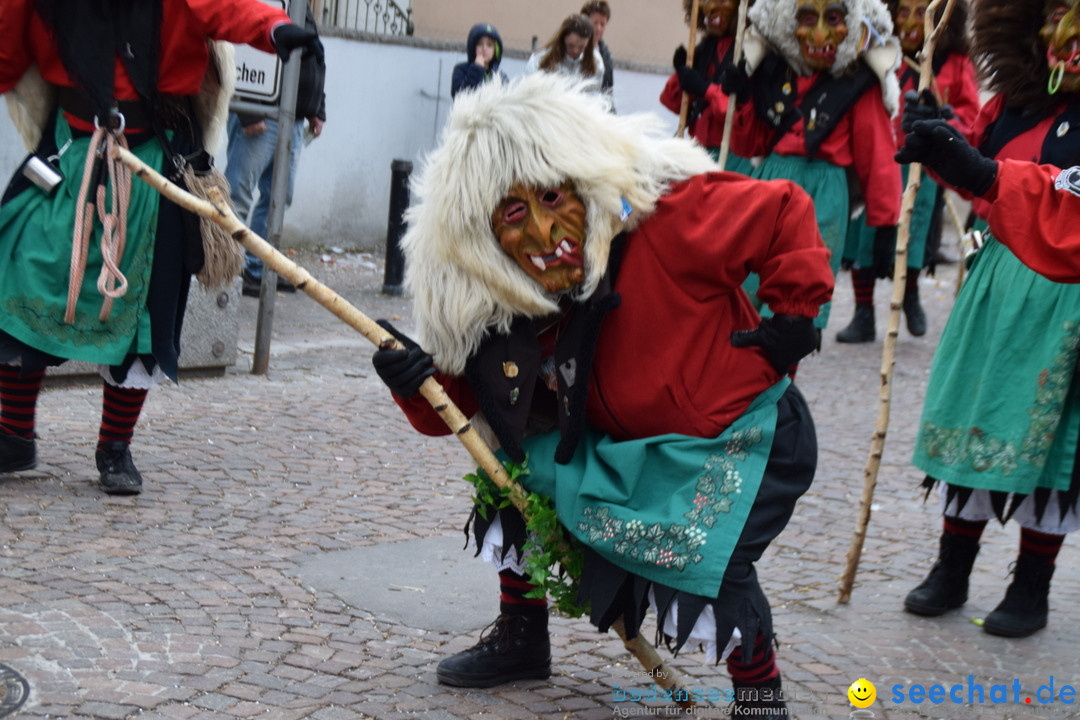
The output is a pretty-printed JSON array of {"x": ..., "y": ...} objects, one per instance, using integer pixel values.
[{"x": 669, "y": 508}]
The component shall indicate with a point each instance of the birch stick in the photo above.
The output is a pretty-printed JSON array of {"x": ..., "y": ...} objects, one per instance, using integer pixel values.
[
  {"x": 729, "y": 119},
  {"x": 218, "y": 210},
  {"x": 888, "y": 355},
  {"x": 685, "y": 109}
]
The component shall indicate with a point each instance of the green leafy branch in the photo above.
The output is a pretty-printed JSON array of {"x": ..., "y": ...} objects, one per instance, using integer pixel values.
[{"x": 553, "y": 559}]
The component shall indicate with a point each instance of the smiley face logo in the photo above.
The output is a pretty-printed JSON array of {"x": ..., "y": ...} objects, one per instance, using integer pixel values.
[{"x": 862, "y": 693}]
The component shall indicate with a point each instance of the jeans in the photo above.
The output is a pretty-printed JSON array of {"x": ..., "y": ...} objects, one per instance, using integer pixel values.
[{"x": 250, "y": 166}]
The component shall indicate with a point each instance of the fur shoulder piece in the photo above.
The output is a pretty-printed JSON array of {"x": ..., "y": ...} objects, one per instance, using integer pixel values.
[
  {"x": 29, "y": 104},
  {"x": 541, "y": 129},
  {"x": 32, "y": 99},
  {"x": 870, "y": 37},
  {"x": 212, "y": 102}
]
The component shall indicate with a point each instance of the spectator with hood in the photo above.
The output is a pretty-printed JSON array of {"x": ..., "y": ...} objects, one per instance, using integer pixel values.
[{"x": 484, "y": 50}]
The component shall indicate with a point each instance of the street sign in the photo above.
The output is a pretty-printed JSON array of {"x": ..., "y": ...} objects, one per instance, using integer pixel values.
[{"x": 258, "y": 74}]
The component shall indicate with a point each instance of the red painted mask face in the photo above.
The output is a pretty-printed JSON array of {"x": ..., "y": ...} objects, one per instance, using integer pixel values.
[
  {"x": 543, "y": 229},
  {"x": 1060, "y": 34},
  {"x": 909, "y": 21},
  {"x": 822, "y": 26},
  {"x": 719, "y": 16}
]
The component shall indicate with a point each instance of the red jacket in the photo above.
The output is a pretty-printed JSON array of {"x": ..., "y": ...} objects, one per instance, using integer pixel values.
[
  {"x": 186, "y": 24},
  {"x": 664, "y": 362},
  {"x": 863, "y": 140},
  {"x": 1037, "y": 221}
]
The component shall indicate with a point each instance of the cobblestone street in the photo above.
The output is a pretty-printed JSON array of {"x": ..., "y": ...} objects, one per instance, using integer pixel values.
[{"x": 297, "y": 553}]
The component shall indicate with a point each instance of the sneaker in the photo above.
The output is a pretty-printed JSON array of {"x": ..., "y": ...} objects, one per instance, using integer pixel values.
[
  {"x": 16, "y": 453},
  {"x": 514, "y": 647},
  {"x": 118, "y": 473}
]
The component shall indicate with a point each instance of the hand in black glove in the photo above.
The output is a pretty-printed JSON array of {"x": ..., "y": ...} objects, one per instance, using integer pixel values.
[
  {"x": 923, "y": 107},
  {"x": 786, "y": 339},
  {"x": 403, "y": 371},
  {"x": 734, "y": 81},
  {"x": 691, "y": 81},
  {"x": 679, "y": 58},
  {"x": 884, "y": 251},
  {"x": 943, "y": 149},
  {"x": 287, "y": 37}
]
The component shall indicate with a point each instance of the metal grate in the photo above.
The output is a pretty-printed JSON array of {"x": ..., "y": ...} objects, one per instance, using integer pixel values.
[{"x": 384, "y": 17}]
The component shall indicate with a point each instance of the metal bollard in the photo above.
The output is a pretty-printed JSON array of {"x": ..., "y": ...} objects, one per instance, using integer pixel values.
[{"x": 395, "y": 227}]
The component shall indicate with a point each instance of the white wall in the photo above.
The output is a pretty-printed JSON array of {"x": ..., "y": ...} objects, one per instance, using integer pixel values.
[{"x": 383, "y": 102}]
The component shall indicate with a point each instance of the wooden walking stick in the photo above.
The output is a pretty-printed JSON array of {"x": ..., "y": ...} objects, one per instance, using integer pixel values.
[
  {"x": 888, "y": 355},
  {"x": 729, "y": 119},
  {"x": 218, "y": 210},
  {"x": 685, "y": 109}
]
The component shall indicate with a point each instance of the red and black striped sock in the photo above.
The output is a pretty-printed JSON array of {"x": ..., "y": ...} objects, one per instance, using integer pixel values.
[
  {"x": 512, "y": 600},
  {"x": 1041, "y": 546},
  {"x": 912, "y": 283},
  {"x": 862, "y": 281},
  {"x": 758, "y": 669},
  {"x": 968, "y": 528},
  {"x": 120, "y": 408},
  {"x": 18, "y": 400}
]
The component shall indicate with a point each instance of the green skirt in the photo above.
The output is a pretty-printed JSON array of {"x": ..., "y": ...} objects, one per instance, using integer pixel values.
[
  {"x": 36, "y": 232},
  {"x": 859, "y": 244},
  {"x": 669, "y": 508},
  {"x": 734, "y": 163},
  {"x": 827, "y": 185},
  {"x": 1001, "y": 411}
]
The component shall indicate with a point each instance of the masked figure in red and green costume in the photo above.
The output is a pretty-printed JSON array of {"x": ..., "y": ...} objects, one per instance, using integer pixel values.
[
  {"x": 953, "y": 85},
  {"x": 713, "y": 56},
  {"x": 80, "y": 76},
  {"x": 821, "y": 89},
  {"x": 577, "y": 280},
  {"x": 1001, "y": 420}
]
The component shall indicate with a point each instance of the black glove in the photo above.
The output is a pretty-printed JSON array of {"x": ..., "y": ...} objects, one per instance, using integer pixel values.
[
  {"x": 922, "y": 107},
  {"x": 884, "y": 251},
  {"x": 287, "y": 37},
  {"x": 679, "y": 58},
  {"x": 403, "y": 371},
  {"x": 786, "y": 339},
  {"x": 691, "y": 81},
  {"x": 941, "y": 147},
  {"x": 734, "y": 81}
]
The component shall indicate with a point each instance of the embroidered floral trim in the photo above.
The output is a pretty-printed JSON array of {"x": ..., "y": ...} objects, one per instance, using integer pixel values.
[
  {"x": 679, "y": 544},
  {"x": 973, "y": 447}
]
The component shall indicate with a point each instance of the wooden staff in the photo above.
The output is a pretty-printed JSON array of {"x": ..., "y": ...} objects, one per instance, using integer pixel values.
[
  {"x": 685, "y": 109},
  {"x": 729, "y": 119},
  {"x": 888, "y": 355},
  {"x": 218, "y": 210}
]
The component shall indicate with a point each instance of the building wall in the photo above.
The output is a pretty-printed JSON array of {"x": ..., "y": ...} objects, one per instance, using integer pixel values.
[{"x": 641, "y": 31}]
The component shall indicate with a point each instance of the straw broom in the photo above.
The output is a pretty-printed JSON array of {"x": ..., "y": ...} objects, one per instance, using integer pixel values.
[
  {"x": 218, "y": 210},
  {"x": 685, "y": 109},
  {"x": 888, "y": 355}
]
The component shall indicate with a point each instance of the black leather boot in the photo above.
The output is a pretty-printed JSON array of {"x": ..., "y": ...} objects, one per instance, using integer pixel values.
[
  {"x": 913, "y": 312},
  {"x": 16, "y": 453},
  {"x": 861, "y": 327},
  {"x": 946, "y": 587},
  {"x": 760, "y": 700},
  {"x": 119, "y": 476},
  {"x": 1025, "y": 607},
  {"x": 514, "y": 647}
]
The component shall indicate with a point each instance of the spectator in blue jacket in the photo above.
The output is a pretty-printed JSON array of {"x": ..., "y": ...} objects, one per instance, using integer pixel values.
[{"x": 484, "y": 50}]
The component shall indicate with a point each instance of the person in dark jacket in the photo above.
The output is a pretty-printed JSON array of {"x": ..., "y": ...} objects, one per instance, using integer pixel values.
[
  {"x": 484, "y": 48},
  {"x": 252, "y": 145},
  {"x": 600, "y": 13}
]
